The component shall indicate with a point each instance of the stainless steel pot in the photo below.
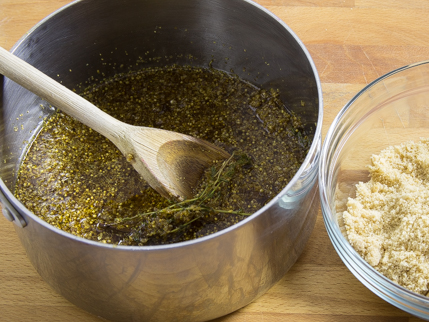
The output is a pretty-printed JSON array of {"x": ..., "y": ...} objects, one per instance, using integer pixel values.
[{"x": 190, "y": 281}]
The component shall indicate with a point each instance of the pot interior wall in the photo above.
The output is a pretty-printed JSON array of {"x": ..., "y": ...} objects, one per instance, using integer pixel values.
[{"x": 91, "y": 40}]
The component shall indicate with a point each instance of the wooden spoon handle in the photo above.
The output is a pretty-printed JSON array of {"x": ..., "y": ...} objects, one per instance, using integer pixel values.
[{"x": 58, "y": 95}]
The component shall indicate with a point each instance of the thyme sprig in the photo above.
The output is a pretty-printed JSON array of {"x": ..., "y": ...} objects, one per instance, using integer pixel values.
[{"x": 210, "y": 191}]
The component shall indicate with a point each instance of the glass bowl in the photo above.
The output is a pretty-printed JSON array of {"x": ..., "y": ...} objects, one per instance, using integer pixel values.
[{"x": 391, "y": 110}]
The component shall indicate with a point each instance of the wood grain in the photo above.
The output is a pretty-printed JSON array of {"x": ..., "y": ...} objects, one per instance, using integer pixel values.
[{"x": 352, "y": 43}]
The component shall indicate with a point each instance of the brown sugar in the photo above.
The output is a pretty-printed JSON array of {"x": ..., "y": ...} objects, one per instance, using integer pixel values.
[{"x": 387, "y": 222}]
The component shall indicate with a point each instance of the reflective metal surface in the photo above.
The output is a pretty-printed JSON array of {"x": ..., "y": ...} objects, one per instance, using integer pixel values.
[{"x": 190, "y": 281}]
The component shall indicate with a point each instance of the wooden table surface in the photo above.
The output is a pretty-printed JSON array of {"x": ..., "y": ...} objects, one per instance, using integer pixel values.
[{"x": 352, "y": 42}]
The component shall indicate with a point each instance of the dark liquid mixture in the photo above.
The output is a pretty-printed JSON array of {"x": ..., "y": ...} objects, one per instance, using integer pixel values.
[{"x": 78, "y": 181}]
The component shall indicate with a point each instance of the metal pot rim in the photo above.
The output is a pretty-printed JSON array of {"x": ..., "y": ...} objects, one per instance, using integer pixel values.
[{"x": 17, "y": 206}]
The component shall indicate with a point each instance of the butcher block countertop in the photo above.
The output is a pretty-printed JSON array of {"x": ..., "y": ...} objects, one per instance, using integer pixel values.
[{"x": 352, "y": 42}]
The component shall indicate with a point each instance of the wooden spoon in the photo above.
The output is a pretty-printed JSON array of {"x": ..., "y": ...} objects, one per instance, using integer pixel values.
[{"x": 172, "y": 163}]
